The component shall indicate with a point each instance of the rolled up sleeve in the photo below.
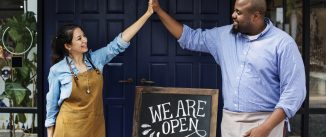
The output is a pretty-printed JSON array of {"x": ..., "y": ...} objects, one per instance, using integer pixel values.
[
  {"x": 52, "y": 98},
  {"x": 194, "y": 40},
  {"x": 292, "y": 80},
  {"x": 104, "y": 55},
  {"x": 121, "y": 42}
]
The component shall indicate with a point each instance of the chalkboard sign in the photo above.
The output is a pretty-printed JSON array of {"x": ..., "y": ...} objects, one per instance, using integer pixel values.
[{"x": 175, "y": 112}]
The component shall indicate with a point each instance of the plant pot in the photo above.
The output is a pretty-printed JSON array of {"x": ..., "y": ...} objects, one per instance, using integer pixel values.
[
  {"x": 4, "y": 133},
  {"x": 30, "y": 135}
]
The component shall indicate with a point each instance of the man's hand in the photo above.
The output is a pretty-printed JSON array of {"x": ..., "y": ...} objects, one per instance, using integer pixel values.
[
  {"x": 156, "y": 6},
  {"x": 266, "y": 127},
  {"x": 259, "y": 131}
]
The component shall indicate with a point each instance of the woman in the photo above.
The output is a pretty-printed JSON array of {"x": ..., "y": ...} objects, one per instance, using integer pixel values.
[{"x": 74, "y": 101}]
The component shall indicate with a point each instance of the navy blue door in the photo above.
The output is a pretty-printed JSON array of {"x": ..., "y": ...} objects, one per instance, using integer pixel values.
[
  {"x": 102, "y": 20},
  {"x": 161, "y": 61},
  {"x": 154, "y": 54}
]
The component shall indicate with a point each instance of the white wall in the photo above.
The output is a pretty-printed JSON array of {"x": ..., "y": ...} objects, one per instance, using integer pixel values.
[{"x": 32, "y": 6}]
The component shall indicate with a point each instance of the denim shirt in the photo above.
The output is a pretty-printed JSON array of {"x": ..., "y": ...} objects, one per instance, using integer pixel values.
[
  {"x": 258, "y": 74},
  {"x": 60, "y": 77}
]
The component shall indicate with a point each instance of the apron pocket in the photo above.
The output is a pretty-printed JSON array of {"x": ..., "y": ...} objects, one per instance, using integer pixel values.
[{"x": 244, "y": 127}]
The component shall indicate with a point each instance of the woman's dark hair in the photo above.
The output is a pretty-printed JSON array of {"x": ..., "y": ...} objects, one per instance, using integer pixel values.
[{"x": 64, "y": 36}]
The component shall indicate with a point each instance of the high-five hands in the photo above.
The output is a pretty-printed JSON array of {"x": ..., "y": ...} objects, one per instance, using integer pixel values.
[
  {"x": 156, "y": 5},
  {"x": 150, "y": 10}
]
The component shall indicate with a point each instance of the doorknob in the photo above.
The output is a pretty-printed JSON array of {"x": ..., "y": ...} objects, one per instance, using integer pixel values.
[
  {"x": 128, "y": 81},
  {"x": 143, "y": 81}
]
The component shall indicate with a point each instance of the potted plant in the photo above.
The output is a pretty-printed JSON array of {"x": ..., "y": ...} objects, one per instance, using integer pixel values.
[{"x": 18, "y": 37}]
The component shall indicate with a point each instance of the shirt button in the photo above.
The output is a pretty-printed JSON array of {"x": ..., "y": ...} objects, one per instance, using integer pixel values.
[
  {"x": 235, "y": 105},
  {"x": 241, "y": 66},
  {"x": 238, "y": 77}
]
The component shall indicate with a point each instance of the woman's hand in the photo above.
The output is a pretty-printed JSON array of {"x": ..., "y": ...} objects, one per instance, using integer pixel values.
[
  {"x": 131, "y": 31},
  {"x": 150, "y": 10}
]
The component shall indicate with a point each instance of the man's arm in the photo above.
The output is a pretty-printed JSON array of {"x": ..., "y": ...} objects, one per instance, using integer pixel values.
[
  {"x": 174, "y": 27},
  {"x": 270, "y": 123},
  {"x": 292, "y": 84}
]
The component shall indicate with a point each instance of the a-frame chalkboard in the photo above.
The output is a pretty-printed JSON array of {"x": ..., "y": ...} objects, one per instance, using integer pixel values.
[{"x": 175, "y": 112}]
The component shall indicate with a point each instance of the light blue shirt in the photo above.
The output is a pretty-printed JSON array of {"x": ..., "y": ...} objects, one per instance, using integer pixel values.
[
  {"x": 259, "y": 74},
  {"x": 60, "y": 77}
]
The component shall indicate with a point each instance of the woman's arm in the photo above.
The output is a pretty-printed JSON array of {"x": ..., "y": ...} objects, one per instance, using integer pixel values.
[
  {"x": 52, "y": 97},
  {"x": 50, "y": 131},
  {"x": 121, "y": 42},
  {"x": 131, "y": 31}
]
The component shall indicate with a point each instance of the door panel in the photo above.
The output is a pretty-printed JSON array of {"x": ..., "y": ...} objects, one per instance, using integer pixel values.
[
  {"x": 159, "y": 56},
  {"x": 154, "y": 55},
  {"x": 102, "y": 21}
]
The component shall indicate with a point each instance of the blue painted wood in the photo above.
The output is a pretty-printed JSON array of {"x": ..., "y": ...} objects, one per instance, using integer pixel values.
[
  {"x": 153, "y": 55},
  {"x": 159, "y": 57},
  {"x": 102, "y": 21}
]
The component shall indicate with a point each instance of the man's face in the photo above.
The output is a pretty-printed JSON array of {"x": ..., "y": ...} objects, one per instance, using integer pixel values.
[{"x": 242, "y": 18}]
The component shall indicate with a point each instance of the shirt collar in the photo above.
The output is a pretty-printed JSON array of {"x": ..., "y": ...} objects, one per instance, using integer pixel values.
[{"x": 72, "y": 63}]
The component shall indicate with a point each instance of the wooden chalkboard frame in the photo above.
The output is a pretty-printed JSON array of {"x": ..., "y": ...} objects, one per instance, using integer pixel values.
[{"x": 169, "y": 90}]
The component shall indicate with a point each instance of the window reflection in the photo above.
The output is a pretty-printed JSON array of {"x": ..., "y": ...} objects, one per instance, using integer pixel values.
[
  {"x": 317, "y": 54},
  {"x": 317, "y": 125}
]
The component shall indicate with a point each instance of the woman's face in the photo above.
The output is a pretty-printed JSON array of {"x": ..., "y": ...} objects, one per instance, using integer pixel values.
[{"x": 78, "y": 43}]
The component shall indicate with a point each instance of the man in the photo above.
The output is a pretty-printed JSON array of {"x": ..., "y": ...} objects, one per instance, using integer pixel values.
[{"x": 262, "y": 69}]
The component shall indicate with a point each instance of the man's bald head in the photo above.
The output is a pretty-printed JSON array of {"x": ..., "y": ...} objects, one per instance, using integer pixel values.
[
  {"x": 258, "y": 5},
  {"x": 248, "y": 16}
]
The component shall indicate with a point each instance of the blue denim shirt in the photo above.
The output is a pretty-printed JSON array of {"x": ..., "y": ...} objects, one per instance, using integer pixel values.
[
  {"x": 60, "y": 78},
  {"x": 259, "y": 74}
]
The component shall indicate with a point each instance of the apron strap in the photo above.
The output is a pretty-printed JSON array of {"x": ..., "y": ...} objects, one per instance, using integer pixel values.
[{"x": 88, "y": 57}]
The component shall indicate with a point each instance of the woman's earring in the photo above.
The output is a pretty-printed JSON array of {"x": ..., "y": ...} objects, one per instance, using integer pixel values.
[{"x": 69, "y": 48}]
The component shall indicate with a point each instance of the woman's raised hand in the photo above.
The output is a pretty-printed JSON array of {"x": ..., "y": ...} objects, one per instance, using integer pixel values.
[{"x": 150, "y": 10}]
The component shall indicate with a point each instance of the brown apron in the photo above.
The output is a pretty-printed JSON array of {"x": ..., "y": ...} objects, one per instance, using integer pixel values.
[{"x": 81, "y": 115}]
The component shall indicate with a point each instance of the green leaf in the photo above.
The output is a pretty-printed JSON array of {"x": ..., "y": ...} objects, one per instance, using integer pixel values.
[
  {"x": 3, "y": 97},
  {"x": 21, "y": 117},
  {"x": 16, "y": 92},
  {"x": 14, "y": 34},
  {"x": 16, "y": 119},
  {"x": 23, "y": 73}
]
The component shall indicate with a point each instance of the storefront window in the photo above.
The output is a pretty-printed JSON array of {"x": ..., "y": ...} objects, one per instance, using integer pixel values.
[
  {"x": 317, "y": 125},
  {"x": 317, "y": 54},
  {"x": 18, "y": 64},
  {"x": 295, "y": 126},
  {"x": 287, "y": 15}
]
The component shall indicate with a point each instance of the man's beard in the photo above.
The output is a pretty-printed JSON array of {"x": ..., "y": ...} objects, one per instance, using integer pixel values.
[
  {"x": 235, "y": 29},
  {"x": 244, "y": 28}
]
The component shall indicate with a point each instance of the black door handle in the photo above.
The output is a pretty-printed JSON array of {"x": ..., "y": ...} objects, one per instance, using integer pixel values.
[
  {"x": 128, "y": 81},
  {"x": 143, "y": 81}
]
